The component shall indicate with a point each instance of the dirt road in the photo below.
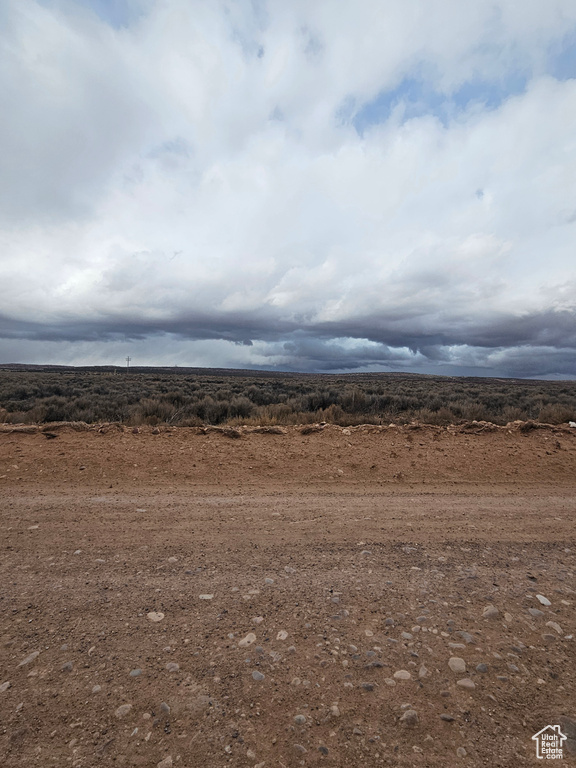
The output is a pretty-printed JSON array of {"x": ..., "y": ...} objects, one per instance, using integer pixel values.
[{"x": 361, "y": 597}]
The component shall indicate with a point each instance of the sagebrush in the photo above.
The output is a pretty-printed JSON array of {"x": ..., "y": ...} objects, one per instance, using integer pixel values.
[{"x": 196, "y": 397}]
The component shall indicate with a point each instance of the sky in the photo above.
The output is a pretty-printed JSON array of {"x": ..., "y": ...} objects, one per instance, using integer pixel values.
[{"x": 308, "y": 185}]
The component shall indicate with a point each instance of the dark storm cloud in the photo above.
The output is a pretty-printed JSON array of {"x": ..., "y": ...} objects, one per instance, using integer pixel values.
[{"x": 536, "y": 344}]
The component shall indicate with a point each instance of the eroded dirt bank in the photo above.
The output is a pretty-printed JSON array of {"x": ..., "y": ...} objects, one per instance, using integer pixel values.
[{"x": 351, "y": 597}]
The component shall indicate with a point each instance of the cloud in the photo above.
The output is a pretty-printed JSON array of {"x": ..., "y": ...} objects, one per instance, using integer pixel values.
[{"x": 326, "y": 186}]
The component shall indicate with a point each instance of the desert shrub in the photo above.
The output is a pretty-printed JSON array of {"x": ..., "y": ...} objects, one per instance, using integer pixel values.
[
  {"x": 475, "y": 412},
  {"x": 151, "y": 412},
  {"x": 240, "y": 407},
  {"x": 513, "y": 413},
  {"x": 440, "y": 417},
  {"x": 556, "y": 414}
]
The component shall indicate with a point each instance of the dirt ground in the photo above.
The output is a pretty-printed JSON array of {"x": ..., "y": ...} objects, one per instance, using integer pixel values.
[{"x": 396, "y": 596}]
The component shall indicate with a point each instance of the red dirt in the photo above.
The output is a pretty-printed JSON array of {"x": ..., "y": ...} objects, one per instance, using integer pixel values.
[{"x": 372, "y": 548}]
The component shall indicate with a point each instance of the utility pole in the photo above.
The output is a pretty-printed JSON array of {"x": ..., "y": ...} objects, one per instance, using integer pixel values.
[{"x": 128, "y": 362}]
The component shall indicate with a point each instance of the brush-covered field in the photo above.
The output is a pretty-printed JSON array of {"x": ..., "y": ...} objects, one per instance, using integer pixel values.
[{"x": 194, "y": 397}]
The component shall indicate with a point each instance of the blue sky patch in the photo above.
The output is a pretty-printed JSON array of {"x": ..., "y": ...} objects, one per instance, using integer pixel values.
[
  {"x": 417, "y": 98},
  {"x": 562, "y": 58},
  {"x": 116, "y": 13}
]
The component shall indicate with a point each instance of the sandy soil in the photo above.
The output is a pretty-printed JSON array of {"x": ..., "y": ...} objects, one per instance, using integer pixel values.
[{"x": 276, "y": 600}]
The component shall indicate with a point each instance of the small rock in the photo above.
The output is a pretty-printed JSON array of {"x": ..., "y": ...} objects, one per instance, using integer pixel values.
[
  {"x": 155, "y": 616},
  {"x": 543, "y": 600},
  {"x": 268, "y": 581},
  {"x": 389, "y": 681},
  {"x": 535, "y": 612},
  {"x": 5, "y": 686},
  {"x": 553, "y": 625},
  {"x": 123, "y": 710},
  {"x": 323, "y": 750},
  {"x": 402, "y": 674},
  {"x": 258, "y": 676},
  {"x": 135, "y": 673},
  {"x": 406, "y": 636},
  {"x": 166, "y": 763},
  {"x": 466, "y": 683},
  {"x": 172, "y": 559},
  {"x": 423, "y": 672},
  {"x": 172, "y": 666},
  {"x": 282, "y": 635},
  {"x": 447, "y": 718},
  {"x": 490, "y": 612},
  {"x": 96, "y": 689},
  {"x": 482, "y": 668},
  {"x": 258, "y": 620},
  {"x": 300, "y": 748},
  {"x": 300, "y": 720},
  {"x": 467, "y": 637},
  {"x": 457, "y": 665},
  {"x": 367, "y": 686},
  {"x": 334, "y": 710},
  {"x": 206, "y": 597},
  {"x": 248, "y": 640},
  {"x": 568, "y": 726},
  {"x": 461, "y": 752},
  {"x": 508, "y": 617},
  {"x": 410, "y": 717},
  {"x": 67, "y": 666},
  {"x": 29, "y": 658},
  {"x": 165, "y": 708}
]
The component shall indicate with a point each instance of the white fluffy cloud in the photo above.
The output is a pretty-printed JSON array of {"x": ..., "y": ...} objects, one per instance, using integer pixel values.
[{"x": 327, "y": 185}]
